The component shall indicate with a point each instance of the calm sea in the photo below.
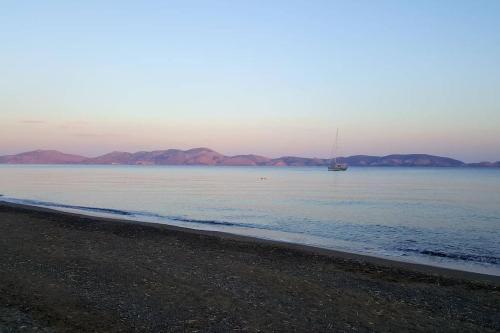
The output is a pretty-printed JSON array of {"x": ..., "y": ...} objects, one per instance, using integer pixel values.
[{"x": 443, "y": 217}]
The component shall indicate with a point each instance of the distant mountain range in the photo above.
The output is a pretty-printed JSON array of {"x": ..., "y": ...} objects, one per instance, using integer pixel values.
[{"x": 205, "y": 156}]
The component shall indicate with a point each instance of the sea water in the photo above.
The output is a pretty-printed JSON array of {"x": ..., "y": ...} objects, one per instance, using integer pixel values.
[{"x": 448, "y": 217}]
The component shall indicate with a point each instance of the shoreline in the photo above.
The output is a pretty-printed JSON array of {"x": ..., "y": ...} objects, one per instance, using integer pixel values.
[
  {"x": 437, "y": 260},
  {"x": 66, "y": 272},
  {"x": 472, "y": 165},
  {"x": 306, "y": 249}
]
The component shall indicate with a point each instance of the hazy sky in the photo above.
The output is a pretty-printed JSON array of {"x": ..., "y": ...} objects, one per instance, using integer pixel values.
[{"x": 268, "y": 77}]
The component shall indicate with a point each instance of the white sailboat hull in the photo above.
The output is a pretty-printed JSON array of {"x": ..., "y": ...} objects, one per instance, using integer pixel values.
[{"x": 337, "y": 167}]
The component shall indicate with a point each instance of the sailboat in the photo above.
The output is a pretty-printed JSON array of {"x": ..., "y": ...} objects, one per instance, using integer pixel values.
[{"x": 334, "y": 166}]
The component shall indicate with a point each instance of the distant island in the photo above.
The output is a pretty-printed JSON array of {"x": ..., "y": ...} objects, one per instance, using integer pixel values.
[{"x": 206, "y": 156}]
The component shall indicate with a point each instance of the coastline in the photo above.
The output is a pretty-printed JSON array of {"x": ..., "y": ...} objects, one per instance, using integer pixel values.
[
  {"x": 207, "y": 156},
  {"x": 287, "y": 246},
  {"x": 72, "y": 272}
]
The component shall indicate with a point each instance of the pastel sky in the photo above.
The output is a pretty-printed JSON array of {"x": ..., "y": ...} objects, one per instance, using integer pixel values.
[{"x": 268, "y": 77}]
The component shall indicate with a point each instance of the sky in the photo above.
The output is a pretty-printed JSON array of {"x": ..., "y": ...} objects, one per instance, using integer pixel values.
[{"x": 267, "y": 77}]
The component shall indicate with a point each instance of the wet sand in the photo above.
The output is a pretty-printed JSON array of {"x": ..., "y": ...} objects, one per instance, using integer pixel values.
[{"x": 62, "y": 272}]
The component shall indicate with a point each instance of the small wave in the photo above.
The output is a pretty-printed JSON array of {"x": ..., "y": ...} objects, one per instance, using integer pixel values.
[
  {"x": 125, "y": 213},
  {"x": 213, "y": 222},
  {"x": 59, "y": 205},
  {"x": 188, "y": 220},
  {"x": 457, "y": 256}
]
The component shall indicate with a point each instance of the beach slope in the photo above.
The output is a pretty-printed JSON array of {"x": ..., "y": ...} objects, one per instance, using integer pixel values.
[{"x": 63, "y": 272}]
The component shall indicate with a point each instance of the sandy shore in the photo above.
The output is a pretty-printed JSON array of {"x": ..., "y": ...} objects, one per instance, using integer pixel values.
[{"x": 62, "y": 272}]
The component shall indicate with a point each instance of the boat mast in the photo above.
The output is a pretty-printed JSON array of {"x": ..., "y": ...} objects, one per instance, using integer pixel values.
[{"x": 336, "y": 147}]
